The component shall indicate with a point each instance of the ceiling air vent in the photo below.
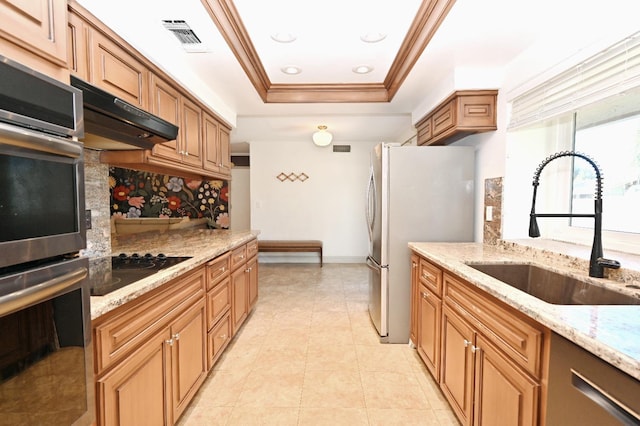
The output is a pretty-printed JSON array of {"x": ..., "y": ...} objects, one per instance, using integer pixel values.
[
  {"x": 185, "y": 35},
  {"x": 341, "y": 148}
]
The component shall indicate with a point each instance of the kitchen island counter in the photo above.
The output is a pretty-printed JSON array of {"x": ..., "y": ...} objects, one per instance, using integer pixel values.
[
  {"x": 609, "y": 332},
  {"x": 202, "y": 245}
]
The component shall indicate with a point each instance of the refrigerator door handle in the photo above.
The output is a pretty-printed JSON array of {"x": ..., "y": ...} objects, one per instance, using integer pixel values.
[{"x": 370, "y": 208}]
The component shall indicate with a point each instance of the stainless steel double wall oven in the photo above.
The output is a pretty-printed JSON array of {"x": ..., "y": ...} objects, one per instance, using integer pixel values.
[{"x": 46, "y": 369}]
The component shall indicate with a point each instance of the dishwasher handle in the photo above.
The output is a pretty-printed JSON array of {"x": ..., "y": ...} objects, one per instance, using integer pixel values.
[{"x": 611, "y": 405}]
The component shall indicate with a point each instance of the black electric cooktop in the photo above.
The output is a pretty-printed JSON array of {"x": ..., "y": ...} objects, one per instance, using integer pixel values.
[{"x": 127, "y": 269}]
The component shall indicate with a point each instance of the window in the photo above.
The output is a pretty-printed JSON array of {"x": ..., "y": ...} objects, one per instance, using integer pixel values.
[{"x": 609, "y": 132}]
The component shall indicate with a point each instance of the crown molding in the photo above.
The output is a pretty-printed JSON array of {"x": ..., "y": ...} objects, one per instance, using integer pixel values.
[{"x": 429, "y": 17}]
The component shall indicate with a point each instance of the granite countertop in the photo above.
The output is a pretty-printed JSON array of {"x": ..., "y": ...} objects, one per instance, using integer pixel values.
[
  {"x": 201, "y": 245},
  {"x": 610, "y": 332}
]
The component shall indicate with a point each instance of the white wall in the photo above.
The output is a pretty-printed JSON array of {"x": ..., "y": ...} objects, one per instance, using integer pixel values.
[
  {"x": 239, "y": 199},
  {"x": 329, "y": 206}
]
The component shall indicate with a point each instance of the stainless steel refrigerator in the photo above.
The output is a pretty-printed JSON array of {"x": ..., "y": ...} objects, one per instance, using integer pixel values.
[{"x": 414, "y": 194}]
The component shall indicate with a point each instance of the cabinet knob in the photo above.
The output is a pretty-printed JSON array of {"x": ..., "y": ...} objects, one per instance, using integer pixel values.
[
  {"x": 414, "y": 265},
  {"x": 475, "y": 349},
  {"x": 466, "y": 343},
  {"x": 222, "y": 336},
  {"x": 176, "y": 336},
  {"x": 425, "y": 294},
  {"x": 169, "y": 342}
]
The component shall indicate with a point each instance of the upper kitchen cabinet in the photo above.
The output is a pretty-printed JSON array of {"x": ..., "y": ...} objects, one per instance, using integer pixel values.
[
  {"x": 216, "y": 146},
  {"x": 165, "y": 103},
  {"x": 33, "y": 32},
  {"x": 77, "y": 48},
  {"x": 463, "y": 113},
  {"x": 116, "y": 71}
]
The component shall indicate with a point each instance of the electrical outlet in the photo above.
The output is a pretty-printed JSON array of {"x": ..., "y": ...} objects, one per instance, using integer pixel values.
[{"x": 87, "y": 218}]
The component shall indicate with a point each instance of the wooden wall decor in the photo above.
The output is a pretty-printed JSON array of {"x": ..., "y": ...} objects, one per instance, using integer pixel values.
[{"x": 292, "y": 177}]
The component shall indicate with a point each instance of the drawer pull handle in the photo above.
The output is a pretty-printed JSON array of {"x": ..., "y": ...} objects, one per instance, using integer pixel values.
[
  {"x": 222, "y": 336},
  {"x": 425, "y": 294}
]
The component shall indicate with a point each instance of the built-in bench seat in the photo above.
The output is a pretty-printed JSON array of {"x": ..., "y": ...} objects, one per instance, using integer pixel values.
[{"x": 289, "y": 246}]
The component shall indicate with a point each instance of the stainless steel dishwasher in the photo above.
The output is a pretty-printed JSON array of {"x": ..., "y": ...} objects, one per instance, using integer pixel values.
[{"x": 585, "y": 390}]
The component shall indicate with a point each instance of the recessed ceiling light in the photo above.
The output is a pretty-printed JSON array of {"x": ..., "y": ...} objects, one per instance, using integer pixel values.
[
  {"x": 362, "y": 69},
  {"x": 283, "y": 37},
  {"x": 291, "y": 70},
  {"x": 372, "y": 37}
]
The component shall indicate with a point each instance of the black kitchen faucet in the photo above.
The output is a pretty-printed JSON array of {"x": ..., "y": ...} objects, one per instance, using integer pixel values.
[{"x": 596, "y": 263}]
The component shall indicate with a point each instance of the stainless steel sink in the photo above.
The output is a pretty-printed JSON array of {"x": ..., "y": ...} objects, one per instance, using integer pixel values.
[{"x": 553, "y": 287}]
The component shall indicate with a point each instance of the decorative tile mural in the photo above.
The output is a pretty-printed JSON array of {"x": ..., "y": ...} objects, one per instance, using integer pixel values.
[{"x": 136, "y": 194}]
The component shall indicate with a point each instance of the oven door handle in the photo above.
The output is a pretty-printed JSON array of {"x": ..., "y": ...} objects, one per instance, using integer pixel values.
[{"x": 39, "y": 293}]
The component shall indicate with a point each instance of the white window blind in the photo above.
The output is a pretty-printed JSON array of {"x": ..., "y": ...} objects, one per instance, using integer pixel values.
[{"x": 607, "y": 73}]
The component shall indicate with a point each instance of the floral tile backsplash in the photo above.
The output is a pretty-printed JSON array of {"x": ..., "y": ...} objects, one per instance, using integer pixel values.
[{"x": 136, "y": 194}]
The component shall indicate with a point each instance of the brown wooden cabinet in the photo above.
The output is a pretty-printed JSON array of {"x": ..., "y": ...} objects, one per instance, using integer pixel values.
[
  {"x": 244, "y": 282},
  {"x": 151, "y": 354},
  {"x": 33, "y": 32},
  {"x": 413, "y": 331},
  {"x": 463, "y": 113},
  {"x": 487, "y": 356},
  {"x": 216, "y": 146},
  {"x": 116, "y": 71},
  {"x": 77, "y": 46},
  {"x": 165, "y": 103},
  {"x": 218, "y": 307}
]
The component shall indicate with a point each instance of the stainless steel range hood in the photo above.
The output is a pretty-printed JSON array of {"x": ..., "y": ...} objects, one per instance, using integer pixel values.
[{"x": 113, "y": 124}]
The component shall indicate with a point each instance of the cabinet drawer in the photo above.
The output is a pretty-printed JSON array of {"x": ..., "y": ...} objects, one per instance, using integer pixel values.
[
  {"x": 238, "y": 257},
  {"x": 218, "y": 339},
  {"x": 507, "y": 328},
  {"x": 252, "y": 248},
  {"x": 217, "y": 269},
  {"x": 135, "y": 322},
  {"x": 218, "y": 302},
  {"x": 431, "y": 276}
]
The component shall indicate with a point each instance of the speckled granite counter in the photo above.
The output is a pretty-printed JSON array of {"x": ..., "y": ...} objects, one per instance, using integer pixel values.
[
  {"x": 201, "y": 245},
  {"x": 610, "y": 332}
]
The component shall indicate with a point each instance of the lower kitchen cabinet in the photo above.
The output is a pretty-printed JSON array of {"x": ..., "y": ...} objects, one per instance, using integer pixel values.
[
  {"x": 429, "y": 322},
  {"x": 413, "y": 332},
  {"x": 133, "y": 393},
  {"x": 244, "y": 283},
  {"x": 152, "y": 354},
  {"x": 487, "y": 357},
  {"x": 155, "y": 383}
]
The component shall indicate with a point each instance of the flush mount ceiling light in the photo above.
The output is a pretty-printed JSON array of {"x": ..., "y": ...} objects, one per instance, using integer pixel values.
[
  {"x": 362, "y": 69},
  {"x": 322, "y": 137},
  {"x": 283, "y": 37},
  {"x": 291, "y": 70},
  {"x": 373, "y": 37}
]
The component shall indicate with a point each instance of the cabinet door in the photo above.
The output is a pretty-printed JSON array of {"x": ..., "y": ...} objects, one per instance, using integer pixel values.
[
  {"x": 191, "y": 133},
  {"x": 165, "y": 103},
  {"x": 77, "y": 48},
  {"x": 117, "y": 72},
  {"x": 456, "y": 377},
  {"x": 211, "y": 129},
  {"x": 37, "y": 26},
  {"x": 504, "y": 394},
  {"x": 133, "y": 392},
  {"x": 189, "y": 357},
  {"x": 252, "y": 276},
  {"x": 430, "y": 320},
  {"x": 225, "y": 151},
  {"x": 239, "y": 299},
  {"x": 415, "y": 298}
]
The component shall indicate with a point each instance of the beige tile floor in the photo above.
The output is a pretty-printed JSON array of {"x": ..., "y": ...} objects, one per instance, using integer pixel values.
[{"x": 308, "y": 355}]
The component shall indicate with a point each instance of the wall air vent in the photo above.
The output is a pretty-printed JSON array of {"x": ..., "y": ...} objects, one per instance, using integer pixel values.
[
  {"x": 341, "y": 148},
  {"x": 185, "y": 35}
]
